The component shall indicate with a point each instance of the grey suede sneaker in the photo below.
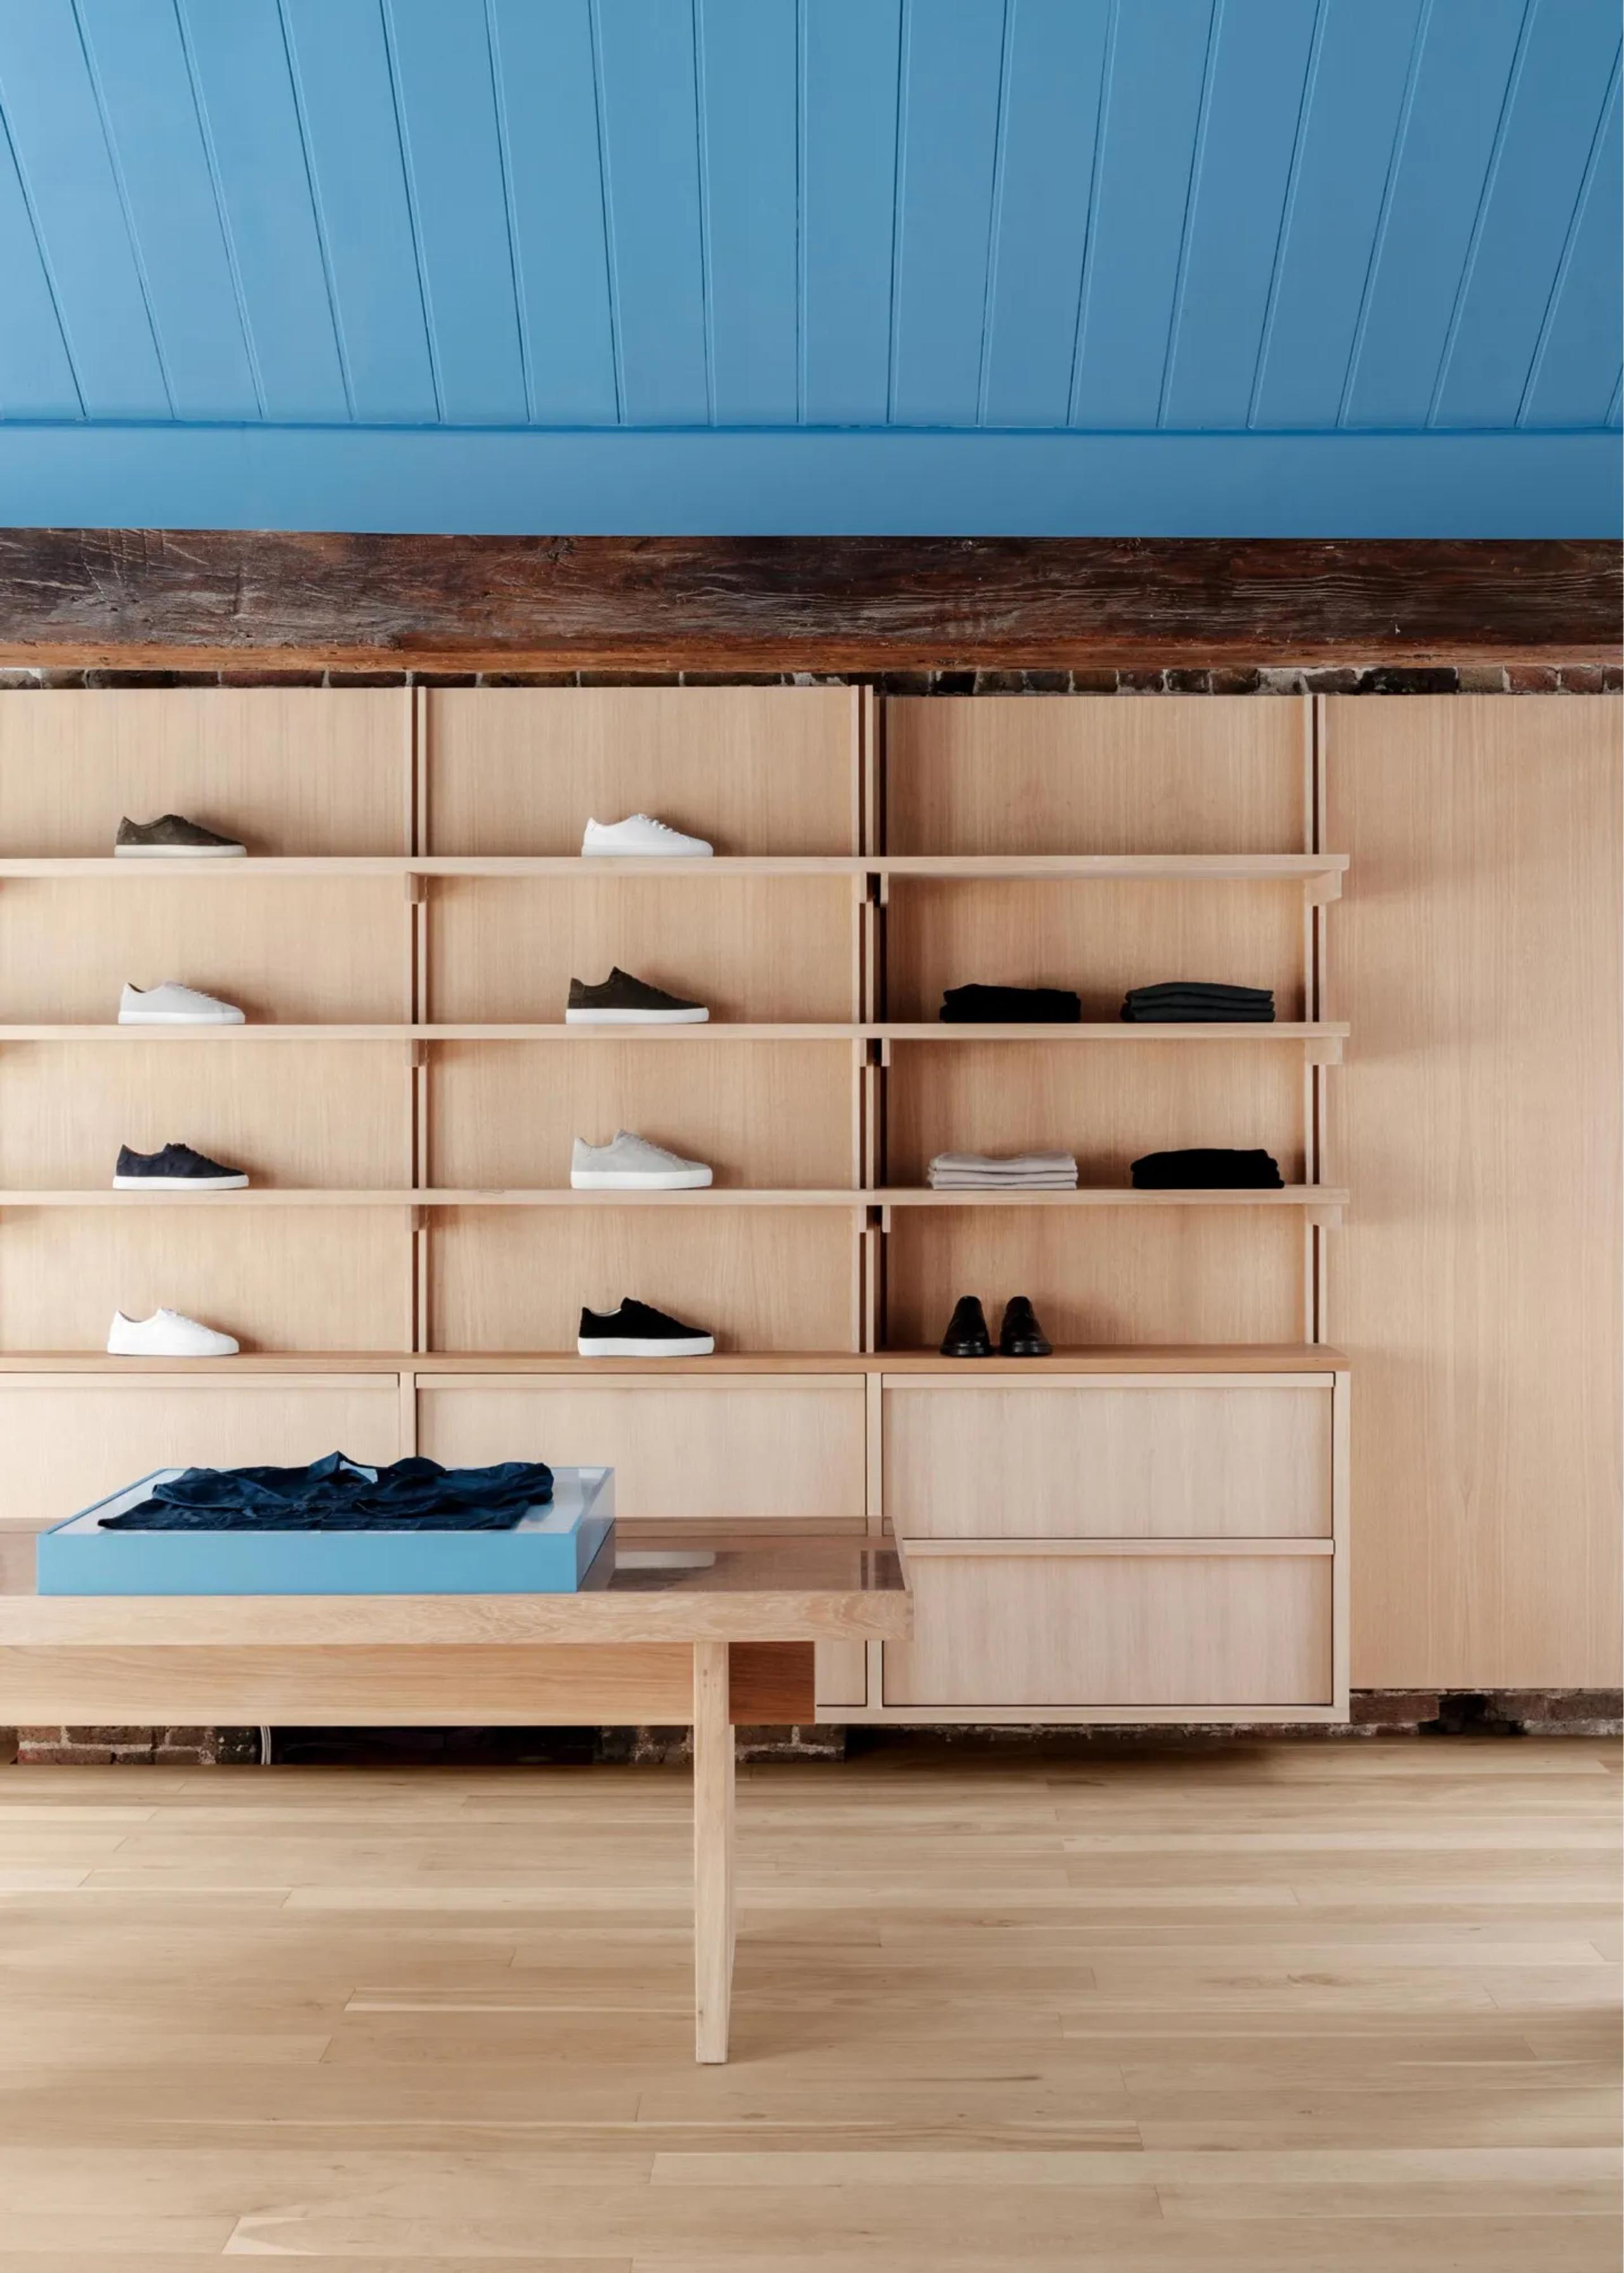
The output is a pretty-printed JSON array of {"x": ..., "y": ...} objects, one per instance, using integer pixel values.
[{"x": 171, "y": 835}]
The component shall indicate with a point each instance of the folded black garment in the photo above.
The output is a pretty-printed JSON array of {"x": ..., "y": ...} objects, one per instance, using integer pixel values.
[
  {"x": 1199, "y": 1013},
  {"x": 1207, "y": 1168},
  {"x": 1009, "y": 1005},
  {"x": 339, "y": 1494}
]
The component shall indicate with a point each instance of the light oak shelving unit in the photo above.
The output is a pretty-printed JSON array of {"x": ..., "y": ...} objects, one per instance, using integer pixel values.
[{"x": 1162, "y": 1506}]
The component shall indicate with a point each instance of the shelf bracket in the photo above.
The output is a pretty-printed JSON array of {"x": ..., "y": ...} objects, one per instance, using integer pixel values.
[
  {"x": 1324, "y": 1218},
  {"x": 416, "y": 888},
  {"x": 1320, "y": 891},
  {"x": 1324, "y": 1049}
]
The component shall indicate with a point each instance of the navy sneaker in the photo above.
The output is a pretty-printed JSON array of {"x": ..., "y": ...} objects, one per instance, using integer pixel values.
[{"x": 176, "y": 1168}]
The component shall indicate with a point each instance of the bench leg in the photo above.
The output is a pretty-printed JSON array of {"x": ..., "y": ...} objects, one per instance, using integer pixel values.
[{"x": 712, "y": 1852}]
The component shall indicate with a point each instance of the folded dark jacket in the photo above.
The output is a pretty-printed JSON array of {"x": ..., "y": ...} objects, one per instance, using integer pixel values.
[
  {"x": 339, "y": 1494},
  {"x": 1211, "y": 988},
  {"x": 1007, "y": 1006},
  {"x": 1206, "y": 1167}
]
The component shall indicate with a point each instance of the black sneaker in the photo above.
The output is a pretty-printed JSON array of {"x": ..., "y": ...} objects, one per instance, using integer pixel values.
[
  {"x": 622, "y": 1001},
  {"x": 967, "y": 1334},
  {"x": 176, "y": 1168},
  {"x": 172, "y": 833},
  {"x": 636, "y": 1330},
  {"x": 1021, "y": 1335}
]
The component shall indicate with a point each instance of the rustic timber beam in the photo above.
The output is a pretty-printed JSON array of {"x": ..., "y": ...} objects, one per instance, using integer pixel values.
[{"x": 204, "y": 600}]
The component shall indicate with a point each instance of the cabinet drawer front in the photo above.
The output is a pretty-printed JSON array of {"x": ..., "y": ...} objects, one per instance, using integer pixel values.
[
  {"x": 1161, "y": 1462},
  {"x": 699, "y": 1451},
  {"x": 71, "y": 1439},
  {"x": 1040, "y": 1630}
]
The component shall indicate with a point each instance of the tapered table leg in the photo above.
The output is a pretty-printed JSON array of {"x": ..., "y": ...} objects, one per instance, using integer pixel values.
[{"x": 712, "y": 1852}]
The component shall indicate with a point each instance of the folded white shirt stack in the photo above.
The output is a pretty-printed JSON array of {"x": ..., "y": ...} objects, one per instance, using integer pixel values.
[{"x": 1023, "y": 1172}]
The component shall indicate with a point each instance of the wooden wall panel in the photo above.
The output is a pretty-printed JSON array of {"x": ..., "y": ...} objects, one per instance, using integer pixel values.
[
  {"x": 759, "y": 1278},
  {"x": 699, "y": 1451},
  {"x": 753, "y": 770},
  {"x": 1098, "y": 939},
  {"x": 284, "y": 769},
  {"x": 757, "y": 949},
  {"x": 1477, "y": 1285},
  {"x": 1218, "y": 1274},
  {"x": 278, "y": 1278},
  {"x": 325, "y": 1114},
  {"x": 294, "y": 951},
  {"x": 1107, "y": 1105},
  {"x": 70, "y": 1440},
  {"x": 770, "y": 1115},
  {"x": 1094, "y": 774}
]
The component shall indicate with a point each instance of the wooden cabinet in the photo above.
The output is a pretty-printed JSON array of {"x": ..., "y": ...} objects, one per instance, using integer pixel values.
[{"x": 1099, "y": 1547}]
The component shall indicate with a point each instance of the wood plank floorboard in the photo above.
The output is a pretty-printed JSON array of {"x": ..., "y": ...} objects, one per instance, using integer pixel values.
[{"x": 1272, "y": 2008}]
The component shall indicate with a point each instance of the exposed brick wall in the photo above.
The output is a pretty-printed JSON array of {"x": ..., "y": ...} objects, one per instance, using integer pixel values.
[{"x": 1371, "y": 678}]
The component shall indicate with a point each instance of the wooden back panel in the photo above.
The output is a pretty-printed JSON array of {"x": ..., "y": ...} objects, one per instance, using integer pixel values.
[
  {"x": 284, "y": 769},
  {"x": 753, "y": 770}
]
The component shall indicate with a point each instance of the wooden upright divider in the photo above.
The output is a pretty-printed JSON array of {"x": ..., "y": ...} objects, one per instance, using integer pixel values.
[{"x": 1144, "y": 1525}]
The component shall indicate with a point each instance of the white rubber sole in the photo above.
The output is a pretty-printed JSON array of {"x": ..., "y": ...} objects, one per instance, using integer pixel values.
[
  {"x": 695, "y": 1017},
  {"x": 175, "y": 1018},
  {"x": 669, "y": 1179},
  {"x": 619, "y": 1346},
  {"x": 647, "y": 853},
  {"x": 179, "y": 851},
  {"x": 180, "y": 1183},
  {"x": 121, "y": 1349}
]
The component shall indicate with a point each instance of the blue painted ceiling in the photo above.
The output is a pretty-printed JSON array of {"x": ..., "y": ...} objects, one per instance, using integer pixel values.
[{"x": 1240, "y": 218}]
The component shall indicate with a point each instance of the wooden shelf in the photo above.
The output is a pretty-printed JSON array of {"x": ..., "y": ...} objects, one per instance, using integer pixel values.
[
  {"x": 1323, "y": 1195},
  {"x": 1097, "y": 1358},
  {"x": 718, "y": 1030},
  {"x": 1034, "y": 867}
]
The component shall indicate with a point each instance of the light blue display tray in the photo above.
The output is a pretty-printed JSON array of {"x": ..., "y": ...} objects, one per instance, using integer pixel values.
[{"x": 549, "y": 1551}]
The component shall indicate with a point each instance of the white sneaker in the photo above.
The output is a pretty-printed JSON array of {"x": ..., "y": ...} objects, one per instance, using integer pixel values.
[
  {"x": 642, "y": 835},
  {"x": 166, "y": 1334},
  {"x": 631, "y": 1164},
  {"x": 174, "y": 1005}
]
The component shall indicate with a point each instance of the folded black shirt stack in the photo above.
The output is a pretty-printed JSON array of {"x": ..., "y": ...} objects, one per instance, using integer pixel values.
[
  {"x": 1011, "y": 1005},
  {"x": 339, "y": 1494},
  {"x": 1207, "y": 1168},
  {"x": 1197, "y": 1001}
]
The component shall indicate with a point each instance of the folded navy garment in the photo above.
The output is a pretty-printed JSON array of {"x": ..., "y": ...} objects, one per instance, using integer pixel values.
[
  {"x": 339, "y": 1494},
  {"x": 1197, "y": 1001},
  {"x": 1206, "y": 1167}
]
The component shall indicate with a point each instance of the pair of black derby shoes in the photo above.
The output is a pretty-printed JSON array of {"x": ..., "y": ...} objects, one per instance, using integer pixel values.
[{"x": 1019, "y": 1336}]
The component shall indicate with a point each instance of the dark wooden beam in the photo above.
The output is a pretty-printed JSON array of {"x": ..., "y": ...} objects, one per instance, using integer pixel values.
[{"x": 142, "y": 599}]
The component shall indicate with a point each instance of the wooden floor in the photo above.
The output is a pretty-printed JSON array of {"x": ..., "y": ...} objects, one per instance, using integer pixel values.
[{"x": 1308, "y": 2006}]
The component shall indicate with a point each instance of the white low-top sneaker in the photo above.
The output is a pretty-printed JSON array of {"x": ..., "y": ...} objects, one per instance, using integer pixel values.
[
  {"x": 175, "y": 1005},
  {"x": 166, "y": 1334},
  {"x": 631, "y": 1164},
  {"x": 640, "y": 835}
]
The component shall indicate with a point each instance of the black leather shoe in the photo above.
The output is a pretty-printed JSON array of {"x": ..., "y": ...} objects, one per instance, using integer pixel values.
[
  {"x": 1021, "y": 1335},
  {"x": 967, "y": 1334}
]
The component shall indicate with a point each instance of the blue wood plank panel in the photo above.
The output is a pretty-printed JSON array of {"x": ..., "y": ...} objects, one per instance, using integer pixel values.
[
  {"x": 1576, "y": 367},
  {"x": 1243, "y": 164},
  {"x": 547, "y": 94},
  {"x": 650, "y": 124},
  {"x": 705, "y": 483},
  {"x": 347, "y": 104},
  {"x": 446, "y": 104},
  {"x": 749, "y": 109},
  {"x": 251, "y": 122},
  {"x": 1358, "y": 75},
  {"x": 1456, "y": 100},
  {"x": 1549, "y": 132},
  {"x": 139, "y": 67},
  {"x": 1155, "y": 72},
  {"x": 55, "y": 130},
  {"x": 849, "y": 66},
  {"x": 36, "y": 378},
  {"x": 1053, "y": 63},
  {"x": 952, "y": 83}
]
